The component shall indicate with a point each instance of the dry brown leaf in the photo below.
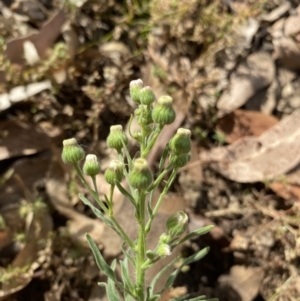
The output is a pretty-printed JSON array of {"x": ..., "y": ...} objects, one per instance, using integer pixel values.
[
  {"x": 20, "y": 139},
  {"x": 256, "y": 73},
  {"x": 289, "y": 186},
  {"x": 42, "y": 40},
  {"x": 244, "y": 280},
  {"x": 241, "y": 123},
  {"x": 286, "y": 191},
  {"x": 252, "y": 159}
]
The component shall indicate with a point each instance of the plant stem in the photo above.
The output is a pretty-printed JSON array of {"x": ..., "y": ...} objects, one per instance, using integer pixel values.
[
  {"x": 91, "y": 191},
  {"x": 161, "y": 197},
  {"x": 141, "y": 248},
  {"x": 146, "y": 150}
]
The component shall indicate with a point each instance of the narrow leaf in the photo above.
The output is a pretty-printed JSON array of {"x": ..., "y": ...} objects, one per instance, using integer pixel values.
[
  {"x": 127, "y": 254},
  {"x": 158, "y": 275},
  {"x": 189, "y": 260},
  {"x": 125, "y": 276},
  {"x": 128, "y": 297},
  {"x": 196, "y": 233},
  {"x": 153, "y": 298},
  {"x": 203, "y": 298},
  {"x": 96, "y": 211},
  {"x": 195, "y": 257},
  {"x": 111, "y": 290},
  {"x": 126, "y": 193},
  {"x": 102, "y": 265}
]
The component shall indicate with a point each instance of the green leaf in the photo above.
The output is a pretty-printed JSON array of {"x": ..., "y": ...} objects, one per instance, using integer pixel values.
[
  {"x": 150, "y": 211},
  {"x": 158, "y": 275},
  {"x": 199, "y": 298},
  {"x": 96, "y": 211},
  {"x": 125, "y": 276},
  {"x": 128, "y": 297},
  {"x": 163, "y": 157},
  {"x": 196, "y": 233},
  {"x": 189, "y": 260},
  {"x": 126, "y": 193},
  {"x": 195, "y": 257},
  {"x": 102, "y": 265},
  {"x": 111, "y": 290},
  {"x": 203, "y": 298},
  {"x": 153, "y": 298},
  {"x": 126, "y": 254}
]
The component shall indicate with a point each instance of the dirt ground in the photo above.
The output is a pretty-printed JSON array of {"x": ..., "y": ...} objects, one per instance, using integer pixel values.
[{"x": 232, "y": 68}]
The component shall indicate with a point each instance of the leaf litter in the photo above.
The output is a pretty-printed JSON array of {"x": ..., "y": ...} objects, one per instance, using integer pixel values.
[{"x": 203, "y": 53}]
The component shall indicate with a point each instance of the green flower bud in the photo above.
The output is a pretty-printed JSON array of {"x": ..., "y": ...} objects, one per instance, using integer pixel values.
[
  {"x": 91, "y": 166},
  {"x": 114, "y": 173},
  {"x": 164, "y": 238},
  {"x": 134, "y": 89},
  {"x": 181, "y": 142},
  {"x": 72, "y": 151},
  {"x": 177, "y": 223},
  {"x": 141, "y": 176},
  {"x": 146, "y": 96},
  {"x": 163, "y": 250},
  {"x": 116, "y": 137},
  {"x": 180, "y": 160},
  {"x": 163, "y": 112},
  {"x": 150, "y": 254}
]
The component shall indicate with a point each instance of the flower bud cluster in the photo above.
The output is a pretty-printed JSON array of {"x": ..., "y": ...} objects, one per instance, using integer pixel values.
[
  {"x": 148, "y": 112},
  {"x": 176, "y": 225}
]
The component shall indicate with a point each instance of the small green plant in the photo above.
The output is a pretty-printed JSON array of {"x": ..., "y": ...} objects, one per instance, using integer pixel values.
[{"x": 152, "y": 116}]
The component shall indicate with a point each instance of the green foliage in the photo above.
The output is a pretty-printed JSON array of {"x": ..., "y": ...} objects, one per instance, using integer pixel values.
[{"x": 141, "y": 185}]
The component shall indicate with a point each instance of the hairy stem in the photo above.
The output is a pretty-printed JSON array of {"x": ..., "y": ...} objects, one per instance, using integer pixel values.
[{"x": 141, "y": 248}]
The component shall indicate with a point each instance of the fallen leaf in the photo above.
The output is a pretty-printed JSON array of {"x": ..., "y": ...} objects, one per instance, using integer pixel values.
[
  {"x": 244, "y": 280},
  {"x": 286, "y": 47},
  {"x": 252, "y": 159},
  {"x": 241, "y": 123},
  {"x": 251, "y": 76},
  {"x": 288, "y": 187},
  {"x": 42, "y": 40},
  {"x": 21, "y": 139}
]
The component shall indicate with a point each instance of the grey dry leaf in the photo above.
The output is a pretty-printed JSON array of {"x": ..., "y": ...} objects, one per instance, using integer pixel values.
[
  {"x": 285, "y": 38},
  {"x": 256, "y": 73},
  {"x": 253, "y": 159},
  {"x": 244, "y": 280}
]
